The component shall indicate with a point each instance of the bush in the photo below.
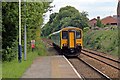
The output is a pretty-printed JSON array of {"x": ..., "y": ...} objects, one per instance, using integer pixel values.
[
  {"x": 86, "y": 29},
  {"x": 102, "y": 40}
]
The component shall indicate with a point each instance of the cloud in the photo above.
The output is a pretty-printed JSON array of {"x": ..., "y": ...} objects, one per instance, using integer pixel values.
[
  {"x": 93, "y": 7},
  {"x": 95, "y": 1},
  {"x": 83, "y": 1}
]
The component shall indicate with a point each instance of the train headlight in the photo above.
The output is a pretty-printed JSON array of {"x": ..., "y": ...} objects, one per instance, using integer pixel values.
[
  {"x": 78, "y": 44},
  {"x": 64, "y": 44}
]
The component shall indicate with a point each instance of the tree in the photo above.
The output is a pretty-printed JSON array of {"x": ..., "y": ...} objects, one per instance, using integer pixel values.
[
  {"x": 99, "y": 24},
  {"x": 67, "y": 16},
  {"x": 33, "y": 16},
  {"x": 10, "y": 30},
  {"x": 52, "y": 17}
]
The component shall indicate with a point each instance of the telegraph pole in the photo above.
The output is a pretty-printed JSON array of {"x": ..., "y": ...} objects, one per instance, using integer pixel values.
[
  {"x": 118, "y": 18},
  {"x": 25, "y": 35},
  {"x": 118, "y": 13},
  {"x": 19, "y": 46}
]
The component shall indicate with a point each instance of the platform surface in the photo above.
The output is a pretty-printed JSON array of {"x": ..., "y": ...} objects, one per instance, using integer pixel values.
[{"x": 50, "y": 67}]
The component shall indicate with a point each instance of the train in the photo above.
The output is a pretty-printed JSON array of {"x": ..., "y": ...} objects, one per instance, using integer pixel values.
[{"x": 68, "y": 40}]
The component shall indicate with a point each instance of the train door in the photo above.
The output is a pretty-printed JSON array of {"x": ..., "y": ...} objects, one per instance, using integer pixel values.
[{"x": 71, "y": 39}]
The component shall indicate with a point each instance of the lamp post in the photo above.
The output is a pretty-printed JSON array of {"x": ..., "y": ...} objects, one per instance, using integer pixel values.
[
  {"x": 25, "y": 34},
  {"x": 118, "y": 13},
  {"x": 19, "y": 46},
  {"x": 118, "y": 17}
]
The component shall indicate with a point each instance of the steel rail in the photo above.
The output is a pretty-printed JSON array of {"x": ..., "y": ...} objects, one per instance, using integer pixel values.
[
  {"x": 101, "y": 56},
  {"x": 104, "y": 75},
  {"x": 102, "y": 61}
]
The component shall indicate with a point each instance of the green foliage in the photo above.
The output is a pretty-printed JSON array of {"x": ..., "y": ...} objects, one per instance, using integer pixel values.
[
  {"x": 0, "y": 20},
  {"x": 67, "y": 16},
  {"x": 102, "y": 40},
  {"x": 14, "y": 69},
  {"x": 10, "y": 30},
  {"x": 99, "y": 24},
  {"x": 31, "y": 14},
  {"x": 86, "y": 29}
]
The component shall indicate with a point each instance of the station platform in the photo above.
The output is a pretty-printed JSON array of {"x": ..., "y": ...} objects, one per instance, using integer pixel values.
[{"x": 51, "y": 67}]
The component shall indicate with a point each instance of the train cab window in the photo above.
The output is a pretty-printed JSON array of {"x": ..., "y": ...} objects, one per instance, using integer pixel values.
[
  {"x": 64, "y": 34},
  {"x": 78, "y": 34}
]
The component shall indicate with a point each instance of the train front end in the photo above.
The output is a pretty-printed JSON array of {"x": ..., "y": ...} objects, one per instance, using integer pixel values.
[{"x": 71, "y": 41}]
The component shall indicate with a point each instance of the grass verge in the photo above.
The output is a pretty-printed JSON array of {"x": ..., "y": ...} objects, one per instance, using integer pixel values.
[
  {"x": 14, "y": 69},
  {"x": 0, "y": 69}
]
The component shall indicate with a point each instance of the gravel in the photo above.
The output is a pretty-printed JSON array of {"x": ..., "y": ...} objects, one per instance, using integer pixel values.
[
  {"x": 109, "y": 71},
  {"x": 49, "y": 48},
  {"x": 84, "y": 70}
]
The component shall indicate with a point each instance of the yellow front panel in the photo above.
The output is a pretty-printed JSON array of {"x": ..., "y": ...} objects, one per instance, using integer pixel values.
[
  {"x": 79, "y": 41},
  {"x": 71, "y": 39},
  {"x": 63, "y": 41}
]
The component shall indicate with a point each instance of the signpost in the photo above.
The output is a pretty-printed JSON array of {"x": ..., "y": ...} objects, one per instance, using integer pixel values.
[{"x": 33, "y": 44}]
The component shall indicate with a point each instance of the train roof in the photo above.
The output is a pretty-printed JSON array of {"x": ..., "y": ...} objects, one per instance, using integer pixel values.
[
  {"x": 70, "y": 27},
  {"x": 54, "y": 33},
  {"x": 66, "y": 28}
]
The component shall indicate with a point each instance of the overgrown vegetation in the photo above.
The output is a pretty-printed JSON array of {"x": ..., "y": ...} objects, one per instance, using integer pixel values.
[
  {"x": 67, "y": 16},
  {"x": 102, "y": 40},
  {"x": 99, "y": 24},
  {"x": 9, "y": 30},
  {"x": 15, "y": 70},
  {"x": 34, "y": 12},
  {"x": 33, "y": 15}
]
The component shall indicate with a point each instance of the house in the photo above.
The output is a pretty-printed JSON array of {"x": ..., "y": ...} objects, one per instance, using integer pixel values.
[
  {"x": 109, "y": 20},
  {"x": 93, "y": 22}
]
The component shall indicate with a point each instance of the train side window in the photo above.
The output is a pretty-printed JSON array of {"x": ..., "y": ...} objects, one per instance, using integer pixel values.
[
  {"x": 78, "y": 34},
  {"x": 64, "y": 34}
]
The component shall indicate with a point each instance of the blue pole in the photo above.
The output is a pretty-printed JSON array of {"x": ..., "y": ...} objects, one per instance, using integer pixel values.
[{"x": 19, "y": 53}]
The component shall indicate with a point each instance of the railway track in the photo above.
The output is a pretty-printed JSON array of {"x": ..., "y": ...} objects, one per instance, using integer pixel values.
[
  {"x": 106, "y": 60},
  {"x": 86, "y": 70},
  {"x": 96, "y": 70},
  {"x": 105, "y": 64},
  {"x": 101, "y": 55},
  {"x": 47, "y": 41}
]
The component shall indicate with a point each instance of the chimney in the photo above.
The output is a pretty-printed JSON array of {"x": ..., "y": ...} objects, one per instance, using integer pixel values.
[{"x": 98, "y": 17}]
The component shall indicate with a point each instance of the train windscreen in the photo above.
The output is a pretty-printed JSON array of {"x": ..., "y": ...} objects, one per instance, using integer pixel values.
[
  {"x": 64, "y": 34},
  {"x": 78, "y": 34}
]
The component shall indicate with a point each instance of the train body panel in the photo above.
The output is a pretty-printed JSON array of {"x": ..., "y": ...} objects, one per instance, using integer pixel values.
[
  {"x": 69, "y": 40},
  {"x": 56, "y": 38}
]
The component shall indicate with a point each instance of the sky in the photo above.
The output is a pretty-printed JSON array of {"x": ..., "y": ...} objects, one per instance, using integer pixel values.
[{"x": 102, "y": 8}]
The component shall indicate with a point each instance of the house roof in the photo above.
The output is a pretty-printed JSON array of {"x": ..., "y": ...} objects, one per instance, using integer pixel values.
[
  {"x": 109, "y": 20},
  {"x": 92, "y": 19}
]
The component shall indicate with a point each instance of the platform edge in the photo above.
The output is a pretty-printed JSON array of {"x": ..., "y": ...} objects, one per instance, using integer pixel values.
[{"x": 72, "y": 67}]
